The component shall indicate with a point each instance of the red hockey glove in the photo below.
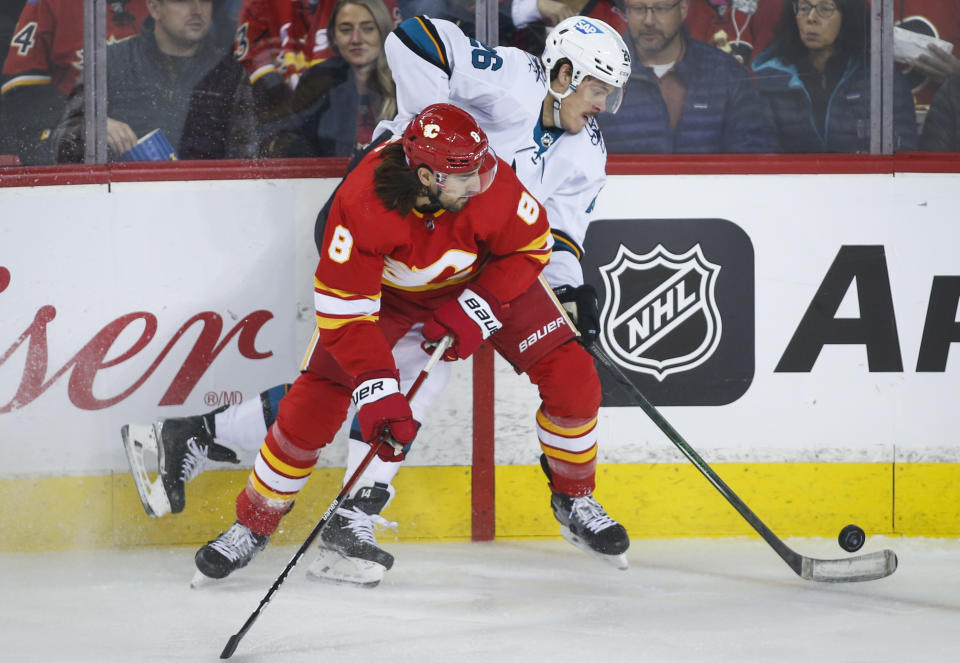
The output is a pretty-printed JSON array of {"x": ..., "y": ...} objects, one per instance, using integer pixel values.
[
  {"x": 381, "y": 408},
  {"x": 470, "y": 319}
]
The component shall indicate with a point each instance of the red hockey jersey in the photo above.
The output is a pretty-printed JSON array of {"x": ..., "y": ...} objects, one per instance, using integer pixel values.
[
  {"x": 742, "y": 34},
  {"x": 500, "y": 240},
  {"x": 47, "y": 44}
]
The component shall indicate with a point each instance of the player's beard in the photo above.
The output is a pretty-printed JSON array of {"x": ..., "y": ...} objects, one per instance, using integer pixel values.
[{"x": 456, "y": 204}]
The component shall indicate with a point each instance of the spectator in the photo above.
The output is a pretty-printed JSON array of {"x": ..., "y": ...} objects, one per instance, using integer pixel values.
[
  {"x": 43, "y": 63},
  {"x": 276, "y": 42},
  {"x": 742, "y": 28},
  {"x": 271, "y": 41},
  {"x": 687, "y": 96},
  {"x": 339, "y": 101},
  {"x": 151, "y": 78},
  {"x": 932, "y": 18},
  {"x": 9, "y": 17},
  {"x": 941, "y": 131},
  {"x": 220, "y": 122},
  {"x": 815, "y": 75}
]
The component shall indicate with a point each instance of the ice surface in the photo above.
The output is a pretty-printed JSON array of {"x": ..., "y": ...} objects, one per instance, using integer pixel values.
[{"x": 681, "y": 600}]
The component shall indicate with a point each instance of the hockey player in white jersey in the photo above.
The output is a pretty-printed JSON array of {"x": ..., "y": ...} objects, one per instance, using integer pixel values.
[{"x": 539, "y": 114}]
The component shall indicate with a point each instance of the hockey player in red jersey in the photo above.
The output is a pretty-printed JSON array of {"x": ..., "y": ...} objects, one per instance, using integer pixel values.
[
  {"x": 428, "y": 230},
  {"x": 43, "y": 64}
]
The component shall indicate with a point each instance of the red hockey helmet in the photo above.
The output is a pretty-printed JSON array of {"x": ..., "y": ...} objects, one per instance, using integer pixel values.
[{"x": 449, "y": 141}]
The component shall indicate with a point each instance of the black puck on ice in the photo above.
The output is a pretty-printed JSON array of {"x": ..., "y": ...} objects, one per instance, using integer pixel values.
[{"x": 851, "y": 538}]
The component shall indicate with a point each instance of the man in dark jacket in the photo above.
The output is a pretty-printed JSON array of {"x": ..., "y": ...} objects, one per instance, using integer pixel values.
[
  {"x": 941, "y": 129},
  {"x": 151, "y": 78},
  {"x": 687, "y": 96}
]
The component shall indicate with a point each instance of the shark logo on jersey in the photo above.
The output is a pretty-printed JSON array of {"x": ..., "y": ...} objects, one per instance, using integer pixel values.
[
  {"x": 536, "y": 68},
  {"x": 596, "y": 137},
  {"x": 660, "y": 314}
]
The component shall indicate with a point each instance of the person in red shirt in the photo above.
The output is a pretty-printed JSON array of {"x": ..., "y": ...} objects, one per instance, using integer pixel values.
[
  {"x": 742, "y": 28},
  {"x": 42, "y": 66},
  {"x": 431, "y": 229}
]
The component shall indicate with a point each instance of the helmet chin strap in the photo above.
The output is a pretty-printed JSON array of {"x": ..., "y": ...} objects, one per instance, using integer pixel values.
[{"x": 557, "y": 101}]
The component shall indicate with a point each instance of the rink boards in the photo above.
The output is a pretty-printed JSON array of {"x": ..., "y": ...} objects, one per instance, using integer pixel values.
[{"x": 796, "y": 329}]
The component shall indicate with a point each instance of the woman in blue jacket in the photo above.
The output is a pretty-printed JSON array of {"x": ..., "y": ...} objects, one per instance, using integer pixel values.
[{"x": 815, "y": 76}]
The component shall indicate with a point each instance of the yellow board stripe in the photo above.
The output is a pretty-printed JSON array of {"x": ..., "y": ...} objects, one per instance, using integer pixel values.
[{"x": 652, "y": 500}]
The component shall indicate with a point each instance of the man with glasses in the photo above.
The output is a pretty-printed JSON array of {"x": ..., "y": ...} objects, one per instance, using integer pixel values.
[{"x": 687, "y": 96}]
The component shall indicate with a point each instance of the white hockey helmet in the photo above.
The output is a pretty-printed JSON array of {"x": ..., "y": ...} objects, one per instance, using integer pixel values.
[{"x": 593, "y": 49}]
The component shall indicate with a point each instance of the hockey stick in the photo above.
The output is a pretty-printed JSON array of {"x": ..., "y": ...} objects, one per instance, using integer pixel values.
[
  {"x": 852, "y": 569},
  {"x": 234, "y": 640}
]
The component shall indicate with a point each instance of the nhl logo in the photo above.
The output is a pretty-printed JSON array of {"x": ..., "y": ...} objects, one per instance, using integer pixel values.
[{"x": 660, "y": 314}]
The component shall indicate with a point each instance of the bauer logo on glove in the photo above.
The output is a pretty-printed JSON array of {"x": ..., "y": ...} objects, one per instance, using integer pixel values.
[
  {"x": 383, "y": 411},
  {"x": 485, "y": 318},
  {"x": 372, "y": 390},
  {"x": 470, "y": 319}
]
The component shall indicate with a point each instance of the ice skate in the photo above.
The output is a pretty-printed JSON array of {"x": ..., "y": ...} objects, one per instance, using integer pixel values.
[
  {"x": 183, "y": 446},
  {"x": 348, "y": 550},
  {"x": 230, "y": 551},
  {"x": 585, "y": 524}
]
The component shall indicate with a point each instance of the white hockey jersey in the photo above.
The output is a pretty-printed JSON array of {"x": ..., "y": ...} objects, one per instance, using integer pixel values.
[{"x": 433, "y": 61}]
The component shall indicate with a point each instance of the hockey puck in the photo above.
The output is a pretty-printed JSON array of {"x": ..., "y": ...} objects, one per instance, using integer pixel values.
[{"x": 851, "y": 538}]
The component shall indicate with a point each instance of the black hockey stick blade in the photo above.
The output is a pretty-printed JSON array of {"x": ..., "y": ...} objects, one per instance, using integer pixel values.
[
  {"x": 870, "y": 566},
  {"x": 235, "y": 639}
]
